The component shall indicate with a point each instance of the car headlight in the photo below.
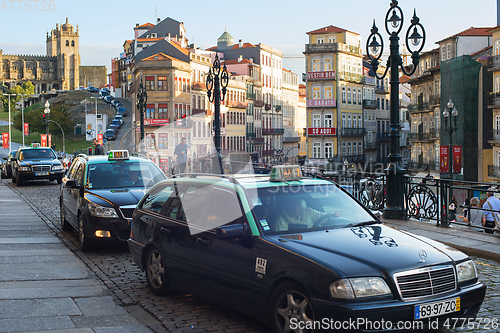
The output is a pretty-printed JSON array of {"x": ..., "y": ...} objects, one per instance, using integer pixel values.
[
  {"x": 466, "y": 271},
  {"x": 57, "y": 167},
  {"x": 26, "y": 168},
  {"x": 101, "y": 211},
  {"x": 359, "y": 287}
]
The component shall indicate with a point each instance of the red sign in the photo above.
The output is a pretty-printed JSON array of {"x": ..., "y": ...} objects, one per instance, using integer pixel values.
[
  {"x": 322, "y": 131},
  {"x": 321, "y": 103},
  {"x": 443, "y": 159},
  {"x": 50, "y": 140},
  {"x": 43, "y": 140},
  {"x": 321, "y": 75},
  {"x": 156, "y": 122},
  {"x": 457, "y": 159},
  {"x": 26, "y": 129},
  {"x": 100, "y": 138},
  {"x": 5, "y": 140}
]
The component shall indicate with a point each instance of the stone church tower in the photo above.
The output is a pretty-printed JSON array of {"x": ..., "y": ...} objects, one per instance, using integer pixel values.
[{"x": 63, "y": 43}]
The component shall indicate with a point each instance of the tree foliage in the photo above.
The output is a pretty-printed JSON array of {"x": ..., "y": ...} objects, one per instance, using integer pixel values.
[
  {"x": 33, "y": 116},
  {"x": 25, "y": 89}
]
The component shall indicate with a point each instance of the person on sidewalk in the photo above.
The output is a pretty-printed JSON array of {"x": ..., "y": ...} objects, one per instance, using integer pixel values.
[
  {"x": 453, "y": 208},
  {"x": 476, "y": 218},
  {"x": 98, "y": 148},
  {"x": 491, "y": 208},
  {"x": 181, "y": 153}
]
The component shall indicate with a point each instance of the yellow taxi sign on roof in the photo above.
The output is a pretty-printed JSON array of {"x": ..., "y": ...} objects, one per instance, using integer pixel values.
[
  {"x": 118, "y": 155},
  {"x": 285, "y": 173}
]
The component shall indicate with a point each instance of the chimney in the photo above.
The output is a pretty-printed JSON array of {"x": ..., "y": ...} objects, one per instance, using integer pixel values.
[
  {"x": 157, "y": 20},
  {"x": 251, "y": 60},
  {"x": 240, "y": 58},
  {"x": 168, "y": 37},
  {"x": 241, "y": 40},
  {"x": 137, "y": 24}
]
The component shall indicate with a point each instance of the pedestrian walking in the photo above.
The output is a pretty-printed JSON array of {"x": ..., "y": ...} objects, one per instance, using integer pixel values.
[
  {"x": 476, "y": 218},
  {"x": 74, "y": 153},
  {"x": 181, "y": 153},
  {"x": 465, "y": 205},
  {"x": 98, "y": 148},
  {"x": 491, "y": 208},
  {"x": 453, "y": 208}
]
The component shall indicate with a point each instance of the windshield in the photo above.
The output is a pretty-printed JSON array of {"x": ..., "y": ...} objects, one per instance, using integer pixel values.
[
  {"x": 37, "y": 154},
  {"x": 306, "y": 208},
  {"x": 119, "y": 175}
]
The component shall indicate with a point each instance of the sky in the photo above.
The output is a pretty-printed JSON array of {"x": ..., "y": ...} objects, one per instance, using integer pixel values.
[{"x": 105, "y": 25}]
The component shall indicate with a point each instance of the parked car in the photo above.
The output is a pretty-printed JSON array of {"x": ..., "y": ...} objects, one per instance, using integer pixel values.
[
  {"x": 103, "y": 93},
  {"x": 113, "y": 127},
  {"x": 120, "y": 118},
  {"x": 115, "y": 102},
  {"x": 121, "y": 111},
  {"x": 117, "y": 123},
  {"x": 7, "y": 165},
  {"x": 295, "y": 252},
  {"x": 31, "y": 163},
  {"x": 99, "y": 194},
  {"x": 110, "y": 134},
  {"x": 92, "y": 89},
  {"x": 108, "y": 98}
]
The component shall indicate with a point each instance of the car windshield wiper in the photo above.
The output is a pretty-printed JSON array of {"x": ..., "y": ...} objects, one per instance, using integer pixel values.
[{"x": 361, "y": 224}]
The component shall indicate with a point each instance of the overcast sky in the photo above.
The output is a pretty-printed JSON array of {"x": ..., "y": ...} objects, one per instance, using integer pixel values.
[{"x": 105, "y": 25}]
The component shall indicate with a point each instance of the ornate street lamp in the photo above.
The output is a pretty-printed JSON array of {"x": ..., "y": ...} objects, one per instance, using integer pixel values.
[
  {"x": 215, "y": 79},
  {"x": 142, "y": 99},
  {"x": 374, "y": 49}
]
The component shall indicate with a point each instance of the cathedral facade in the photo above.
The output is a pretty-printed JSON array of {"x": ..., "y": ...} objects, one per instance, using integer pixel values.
[{"x": 59, "y": 69}]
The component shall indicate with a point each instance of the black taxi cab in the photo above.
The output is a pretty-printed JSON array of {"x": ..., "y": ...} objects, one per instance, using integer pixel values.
[
  {"x": 99, "y": 194},
  {"x": 34, "y": 163},
  {"x": 300, "y": 254}
]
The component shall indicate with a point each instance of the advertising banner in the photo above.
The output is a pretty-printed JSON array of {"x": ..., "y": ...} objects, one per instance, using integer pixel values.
[
  {"x": 5, "y": 140},
  {"x": 43, "y": 140},
  {"x": 26, "y": 128},
  {"x": 457, "y": 159},
  {"x": 443, "y": 159},
  {"x": 50, "y": 140},
  {"x": 100, "y": 138}
]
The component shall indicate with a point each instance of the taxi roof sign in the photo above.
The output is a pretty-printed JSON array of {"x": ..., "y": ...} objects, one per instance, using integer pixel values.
[
  {"x": 285, "y": 173},
  {"x": 118, "y": 155}
]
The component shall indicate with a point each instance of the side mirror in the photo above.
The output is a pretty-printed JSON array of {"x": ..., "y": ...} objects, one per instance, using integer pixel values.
[
  {"x": 5, "y": 158},
  {"x": 12, "y": 159},
  {"x": 232, "y": 231},
  {"x": 71, "y": 183}
]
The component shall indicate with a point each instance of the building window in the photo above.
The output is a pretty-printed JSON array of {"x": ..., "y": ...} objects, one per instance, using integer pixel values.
[
  {"x": 316, "y": 150},
  {"x": 344, "y": 152},
  {"x": 315, "y": 67},
  {"x": 359, "y": 96},
  {"x": 327, "y": 64},
  {"x": 150, "y": 83},
  {"x": 320, "y": 40},
  {"x": 328, "y": 120},
  {"x": 150, "y": 141},
  {"x": 360, "y": 122},
  {"x": 354, "y": 121},
  {"x": 150, "y": 112},
  {"x": 162, "y": 111},
  {"x": 349, "y": 121},
  {"x": 343, "y": 95},
  {"x": 72, "y": 43},
  {"x": 162, "y": 83},
  {"x": 328, "y": 150},
  {"x": 316, "y": 93},
  {"x": 328, "y": 92},
  {"x": 448, "y": 51},
  {"x": 349, "y": 149},
  {"x": 162, "y": 140},
  {"x": 343, "y": 121},
  {"x": 348, "y": 95},
  {"x": 316, "y": 120},
  {"x": 67, "y": 43}
]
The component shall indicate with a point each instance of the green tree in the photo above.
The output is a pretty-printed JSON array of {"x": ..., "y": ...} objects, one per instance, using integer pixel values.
[{"x": 25, "y": 89}]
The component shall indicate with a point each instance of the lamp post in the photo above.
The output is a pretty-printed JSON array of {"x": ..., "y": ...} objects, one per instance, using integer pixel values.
[
  {"x": 10, "y": 124},
  {"x": 393, "y": 25},
  {"x": 451, "y": 110},
  {"x": 47, "y": 112},
  {"x": 142, "y": 99},
  {"x": 215, "y": 79}
]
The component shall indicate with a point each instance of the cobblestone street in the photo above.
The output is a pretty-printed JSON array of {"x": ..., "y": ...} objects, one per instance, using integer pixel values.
[{"x": 186, "y": 313}]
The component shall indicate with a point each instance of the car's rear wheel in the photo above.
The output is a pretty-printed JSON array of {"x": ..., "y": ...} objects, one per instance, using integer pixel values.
[
  {"x": 64, "y": 223},
  {"x": 13, "y": 178},
  {"x": 59, "y": 181},
  {"x": 156, "y": 273},
  {"x": 290, "y": 309},
  {"x": 83, "y": 239}
]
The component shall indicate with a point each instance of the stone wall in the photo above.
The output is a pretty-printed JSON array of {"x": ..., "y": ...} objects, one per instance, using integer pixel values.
[{"x": 95, "y": 76}]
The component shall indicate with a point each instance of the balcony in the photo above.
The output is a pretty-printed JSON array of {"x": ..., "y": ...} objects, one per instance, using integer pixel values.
[
  {"x": 369, "y": 104},
  {"x": 198, "y": 111},
  {"x": 268, "y": 152},
  {"x": 291, "y": 139},
  {"x": 258, "y": 141},
  {"x": 381, "y": 89},
  {"x": 383, "y": 136},
  {"x": 250, "y": 95},
  {"x": 273, "y": 131},
  {"x": 267, "y": 107},
  {"x": 352, "y": 132},
  {"x": 250, "y": 135},
  {"x": 355, "y": 158},
  {"x": 353, "y": 77},
  {"x": 258, "y": 103},
  {"x": 494, "y": 63},
  {"x": 434, "y": 99},
  {"x": 371, "y": 145},
  {"x": 278, "y": 108},
  {"x": 418, "y": 107}
]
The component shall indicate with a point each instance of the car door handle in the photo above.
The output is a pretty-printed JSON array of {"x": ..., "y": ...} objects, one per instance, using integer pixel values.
[
  {"x": 164, "y": 231},
  {"x": 203, "y": 241}
]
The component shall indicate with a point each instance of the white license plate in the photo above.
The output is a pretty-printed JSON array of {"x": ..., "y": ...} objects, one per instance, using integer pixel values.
[
  {"x": 44, "y": 173},
  {"x": 437, "y": 308}
]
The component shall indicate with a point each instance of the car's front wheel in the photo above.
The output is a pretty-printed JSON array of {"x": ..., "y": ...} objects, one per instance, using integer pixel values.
[
  {"x": 156, "y": 273},
  {"x": 19, "y": 181},
  {"x": 290, "y": 309},
  {"x": 83, "y": 240}
]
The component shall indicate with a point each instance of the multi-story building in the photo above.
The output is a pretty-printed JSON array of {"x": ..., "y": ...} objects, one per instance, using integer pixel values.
[
  {"x": 383, "y": 116},
  {"x": 493, "y": 96},
  {"x": 370, "y": 115},
  {"x": 301, "y": 120},
  {"x": 334, "y": 96},
  {"x": 290, "y": 108}
]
